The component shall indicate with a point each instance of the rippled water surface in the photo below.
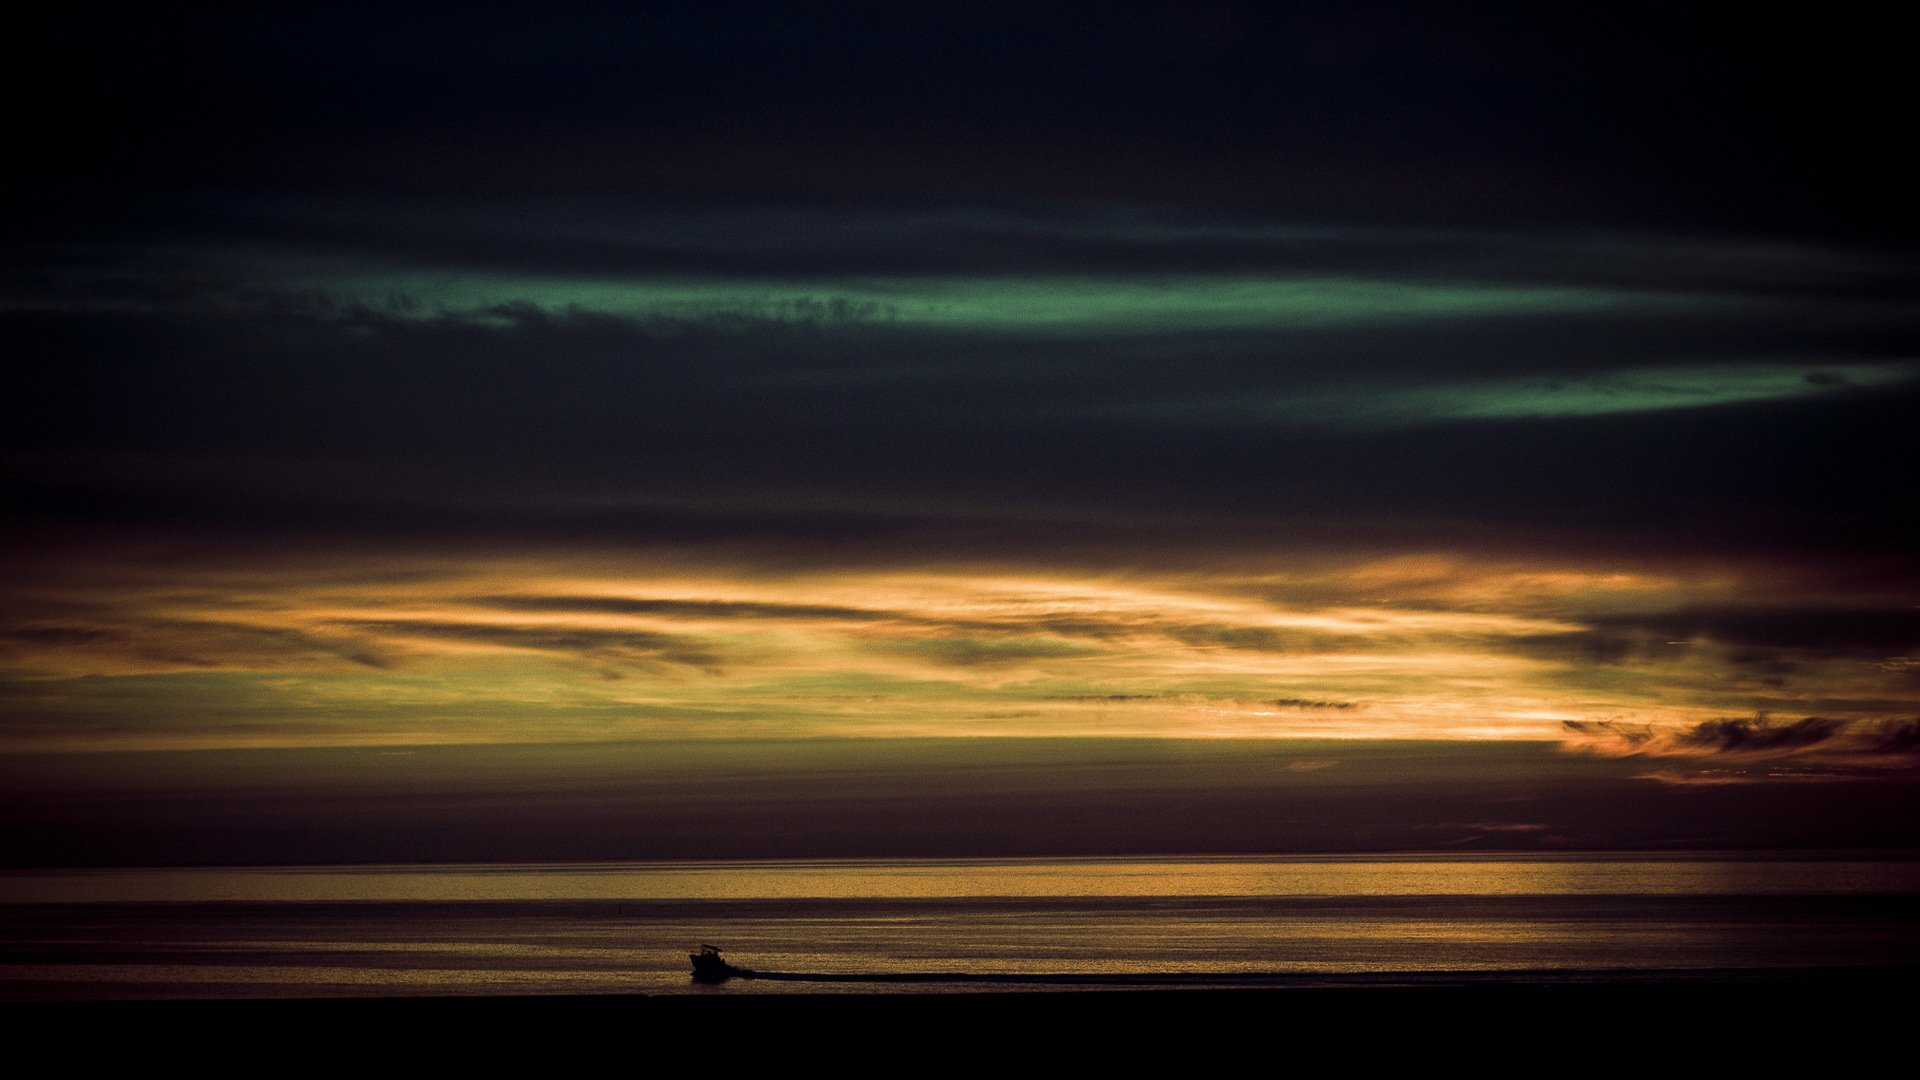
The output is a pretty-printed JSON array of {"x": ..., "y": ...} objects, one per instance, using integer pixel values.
[{"x": 626, "y": 927}]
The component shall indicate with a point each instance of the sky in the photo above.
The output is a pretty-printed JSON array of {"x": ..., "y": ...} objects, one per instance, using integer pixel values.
[{"x": 1338, "y": 398}]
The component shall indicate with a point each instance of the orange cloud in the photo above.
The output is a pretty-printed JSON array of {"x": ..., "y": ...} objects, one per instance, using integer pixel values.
[{"x": 531, "y": 649}]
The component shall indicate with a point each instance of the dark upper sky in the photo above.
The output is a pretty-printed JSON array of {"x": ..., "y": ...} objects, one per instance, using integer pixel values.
[
  {"x": 472, "y": 373},
  {"x": 1636, "y": 274},
  {"x": 1671, "y": 115},
  {"x": 209, "y": 187}
]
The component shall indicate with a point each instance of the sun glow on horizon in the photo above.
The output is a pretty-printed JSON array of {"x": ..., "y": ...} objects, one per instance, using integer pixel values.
[{"x": 527, "y": 650}]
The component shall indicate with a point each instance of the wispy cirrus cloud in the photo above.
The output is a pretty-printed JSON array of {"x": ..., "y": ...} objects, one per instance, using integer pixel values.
[
  {"x": 120, "y": 641},
  {"x": 1441, "y": 647},
  {"x": 598, "y": 644}
]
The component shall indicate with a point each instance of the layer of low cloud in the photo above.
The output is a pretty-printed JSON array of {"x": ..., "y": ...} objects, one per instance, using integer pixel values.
[
  {"x": 1810, "y": 748},
  {"x": 337, "y": 648}
]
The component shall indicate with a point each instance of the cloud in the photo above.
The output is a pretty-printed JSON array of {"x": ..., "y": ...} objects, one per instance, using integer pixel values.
[
  {"x": 1771, "y": 642},
  {"x": 1899, "y": 737},
  {"x": 1627, "y": 738},
  {"x": 1103, "y": 698},
  {"x": 599, "y": 645},
  {"x": 531, "y": 239},
  {"x": 685, "y": 609},
  {"x": 1815, "y": 738},
  {"x": 1703, "y": 778},
  {"x": 534, "y": 421},
  {"x": 1032, "y": 392},
  {"x": 1252, "y": 638},
  {"x": 1759, "y": 735},
  {"x": 1820, "y": 630},
  {"x": 1093, "y": 625},
  {"x": 137, "y": 643},
  {"x": 1632, "y": 391},
  {"x": 1706, "y": 777},
  {"x": 986, "y": 651}
]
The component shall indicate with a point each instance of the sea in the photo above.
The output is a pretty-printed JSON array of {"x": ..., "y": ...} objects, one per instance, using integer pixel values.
[{"x": 946, "y": 925}]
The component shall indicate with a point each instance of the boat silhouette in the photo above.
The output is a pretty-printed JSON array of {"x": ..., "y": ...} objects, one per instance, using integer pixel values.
[{"x": 710, "y": 966}]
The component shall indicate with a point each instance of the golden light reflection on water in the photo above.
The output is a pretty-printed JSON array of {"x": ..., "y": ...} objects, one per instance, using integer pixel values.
[
  {"x": 1407, "y": 876},
  {"x": 934, "y": 926}
]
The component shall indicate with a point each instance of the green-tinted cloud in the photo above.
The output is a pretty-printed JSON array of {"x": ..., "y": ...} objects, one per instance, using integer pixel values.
[
  {"x": 1065, "y": 304},
  {"x": 1643, "y": 390},
  {"x": 1637, "y": 390}
]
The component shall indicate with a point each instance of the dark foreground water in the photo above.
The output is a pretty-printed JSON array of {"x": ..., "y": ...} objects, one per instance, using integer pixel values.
[{"x": 917, "y": 927}]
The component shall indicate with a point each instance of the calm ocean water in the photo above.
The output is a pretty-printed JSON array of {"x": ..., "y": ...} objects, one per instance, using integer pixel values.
[{"x": 626, "y": 927}]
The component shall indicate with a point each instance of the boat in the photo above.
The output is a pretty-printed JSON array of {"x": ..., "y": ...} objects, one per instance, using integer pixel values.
[{"x": 710, "y": 966}]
